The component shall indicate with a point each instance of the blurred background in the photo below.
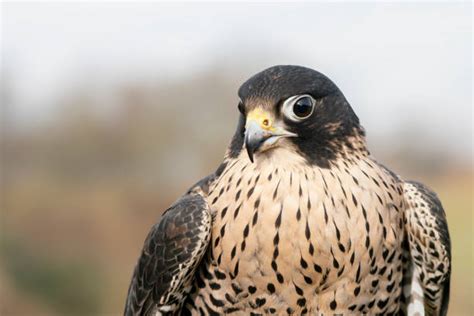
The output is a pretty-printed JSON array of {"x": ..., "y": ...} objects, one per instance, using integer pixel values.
[{"x": 110, "y": 111}]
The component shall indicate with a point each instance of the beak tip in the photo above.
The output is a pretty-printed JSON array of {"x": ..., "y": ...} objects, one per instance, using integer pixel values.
[{"x": 249, "y": 153}]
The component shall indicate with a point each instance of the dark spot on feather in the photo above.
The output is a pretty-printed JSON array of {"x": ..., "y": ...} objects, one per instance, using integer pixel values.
[
  {"x": 390, "y": 287},
  {"x": 318, "y": 268},
  {"x": 275, "y": 253},
  {"x": 354, "y": 199},
  {"x": 341, "y": 271},
  {"x": 236, "y": 212},
  {"x": 352, "y": 258},
  {"x": 257, "y": 203},
  {"x": 215, "y": 301},
  {"x": 335, "y": 263},
  {"x": 341, "y": 248},
  {"x": 219, "y": 275},
  {"x": 236, "y": 288},
  {"x": 326, "y": 218},
  {"x": 237, "y": 196},
  {"x": 303, "y": 263},
  {"x": 382, "y": 303},
  {"x": 355, "y": 180},
  {"x": 250, "y": 192},
  {"x": 311, "y": 249},
  {"x": 255, "y": 218},
  {"x": 246, "y": 231},
  {"x": 278, "y": 220},
  {"x": 271, "y": 288},
  {"x": 371, "y": 303},
  {"x": 298, "y": 290},
  {"x": 224, "y": 211},
  {"x": 338, "y": 233},
  {"x": 260, "y": 302},
  {"x": 231, "y": 300},
  {"x": 214, "y": 286},
  {"x": 274, "y": 265},
  {"x": 358, "y": 274},
  {"x": 280, "y": 278},
  {"x": 276, "y": 239},
  {"x": 357, "y": 291},
  {"x": 276, "y": 190}
]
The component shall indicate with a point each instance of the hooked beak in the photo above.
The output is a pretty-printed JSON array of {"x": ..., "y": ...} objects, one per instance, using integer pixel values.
[
  {"x": 260, "y": 133},
  {"x": 254, "y": 138}
]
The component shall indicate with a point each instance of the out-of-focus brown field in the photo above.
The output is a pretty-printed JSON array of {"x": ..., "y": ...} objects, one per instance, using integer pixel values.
[{"x": 80, "y": 192}]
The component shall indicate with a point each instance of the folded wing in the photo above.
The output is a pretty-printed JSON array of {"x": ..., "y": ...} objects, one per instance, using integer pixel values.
[
  {"x": 172, "y": 251},
  {"x": 427, "y": 252}
]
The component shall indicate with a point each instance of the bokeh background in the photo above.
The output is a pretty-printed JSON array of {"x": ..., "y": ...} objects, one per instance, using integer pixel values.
[{"x": 110, "y": 111}]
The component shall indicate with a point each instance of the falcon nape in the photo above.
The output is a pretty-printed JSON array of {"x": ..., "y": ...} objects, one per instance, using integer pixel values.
[{"x": 298, "y": 219}]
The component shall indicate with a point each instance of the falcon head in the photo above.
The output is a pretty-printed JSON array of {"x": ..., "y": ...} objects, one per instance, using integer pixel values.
[{"x": 298, "y": 109}]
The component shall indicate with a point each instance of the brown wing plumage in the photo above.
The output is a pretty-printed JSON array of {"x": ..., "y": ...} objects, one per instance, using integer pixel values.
[
  {"x": 428, "y": 249},
  {"x": 172, "y": 251}
]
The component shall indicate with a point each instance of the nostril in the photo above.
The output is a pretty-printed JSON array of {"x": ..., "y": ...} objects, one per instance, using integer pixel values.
[{"x": 266, "y": 122}]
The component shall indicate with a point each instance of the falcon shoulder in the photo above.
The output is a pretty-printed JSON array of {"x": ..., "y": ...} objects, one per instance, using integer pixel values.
[
  {"x": 427, "y": 252},
  {"x": 171, "y": 253}
]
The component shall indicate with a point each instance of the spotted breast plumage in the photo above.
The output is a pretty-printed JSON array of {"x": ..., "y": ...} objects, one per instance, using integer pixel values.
[{"x": 298, "y": 219}]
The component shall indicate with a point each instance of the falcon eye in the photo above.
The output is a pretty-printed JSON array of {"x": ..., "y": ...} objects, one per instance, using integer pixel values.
[
  {"x": 303, "y": 107},
  {"x": 298, "y": 107}
]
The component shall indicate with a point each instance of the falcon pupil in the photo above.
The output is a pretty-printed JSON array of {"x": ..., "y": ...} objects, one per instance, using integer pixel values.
[{"x": 303, "y": 107}]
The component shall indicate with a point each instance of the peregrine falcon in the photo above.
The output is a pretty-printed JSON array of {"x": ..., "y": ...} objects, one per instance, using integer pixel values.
[{"x": 298, "y": 219}]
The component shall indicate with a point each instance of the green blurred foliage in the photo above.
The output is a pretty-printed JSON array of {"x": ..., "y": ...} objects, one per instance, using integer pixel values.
[{"x": 69, "y": 287}]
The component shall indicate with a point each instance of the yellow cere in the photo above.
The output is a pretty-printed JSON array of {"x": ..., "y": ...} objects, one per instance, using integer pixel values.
[{"x": 262, "y": 118}]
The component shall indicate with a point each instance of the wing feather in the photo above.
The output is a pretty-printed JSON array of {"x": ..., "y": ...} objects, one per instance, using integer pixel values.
[
  {"x": 427, "y": 252},
  {"x": 172, "y": 251}
]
